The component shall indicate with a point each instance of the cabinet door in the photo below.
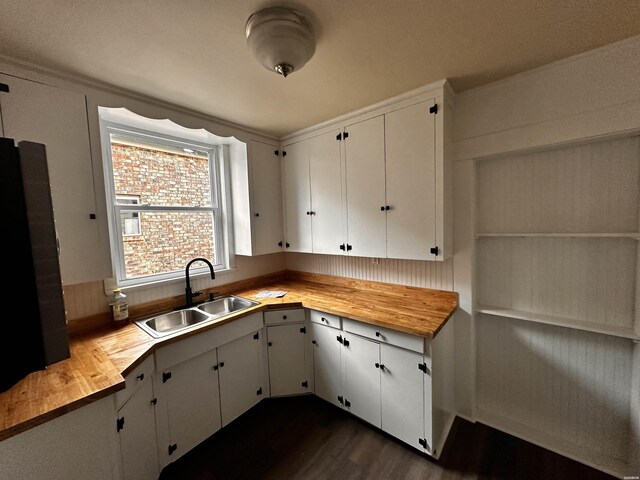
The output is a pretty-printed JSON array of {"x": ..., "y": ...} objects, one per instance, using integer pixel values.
[
  {"x": 267, "y": 198},
  {"x": 137, "y": 433},
  {"x": 411, "y": 182},
  {"x": 326, "y": 193},
  {"x": 297, "y": 197},
  {"x": 193, "y": 403},
  {"x": 362, "y": 378},
  {"x": 364, "y": 164},
  {"x": 239, "y": 375},
  {"x": 286, "y": 360},
  {"x": 57, "y": 118},
  {"x": 402, "y": 393},
  {"x": 327, "y": 353}
]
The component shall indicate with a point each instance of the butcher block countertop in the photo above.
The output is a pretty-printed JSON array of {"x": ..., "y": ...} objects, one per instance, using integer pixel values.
[{"x": 102, "y": 356}]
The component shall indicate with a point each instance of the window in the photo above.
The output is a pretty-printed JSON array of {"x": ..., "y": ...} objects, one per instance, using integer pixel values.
[
  {"x": 130, "y": 220},
  {"x": 166, "y": 203}
]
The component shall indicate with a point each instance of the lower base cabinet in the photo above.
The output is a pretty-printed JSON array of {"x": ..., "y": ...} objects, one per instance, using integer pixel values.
[
  {"x": 287, "y": 372},
  {"x": 190, "y": 399},
  {"x": 385, "y": 378},
  {"x": 136, "y": 427},
  {"x": 361, "y": 374},
  {"x": 239, "y": 376},
  {"x": 287, "y": 352},
  {"x": 327, "y": 361},
  {"x": 402, "y": 394}
]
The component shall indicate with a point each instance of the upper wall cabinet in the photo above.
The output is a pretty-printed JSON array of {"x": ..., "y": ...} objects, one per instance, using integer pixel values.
[
  {"x": 297, "y": 195},
  {"x": 411, "y": 182},
  {"x": 57, "y": 118},
  {"x": 257, "y": 200},
  {"x": 395, "y": 174},
  {"x": 365, "y": 186},
  {"x": 313, "y": 194}
]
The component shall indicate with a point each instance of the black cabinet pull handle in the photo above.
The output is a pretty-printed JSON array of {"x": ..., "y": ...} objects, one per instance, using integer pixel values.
[
  {"x": 154, "y": 401},
  {"x": 257, "y": 214},
  {"x": 382, "y": 208},
  {"x": 378, "y": 334},
  {"x": 387, "y": 207},
  {"x": 308, "y": 213},
  {"x": 381, "y": 366},
  {"x": 140, "y": 377},
  {"x": 377, "y": 365},
  {"x": 323, "y": 319}
]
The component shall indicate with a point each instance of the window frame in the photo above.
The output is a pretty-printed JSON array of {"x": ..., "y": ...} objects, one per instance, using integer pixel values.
[{"x": 218, "y": 178}]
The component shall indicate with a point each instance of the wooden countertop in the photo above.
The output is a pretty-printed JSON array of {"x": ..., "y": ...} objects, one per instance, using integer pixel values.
[{"x": 101, "y": 357}]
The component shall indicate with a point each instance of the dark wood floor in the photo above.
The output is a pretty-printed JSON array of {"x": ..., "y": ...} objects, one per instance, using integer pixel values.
[{"x": 307, "y": 438}]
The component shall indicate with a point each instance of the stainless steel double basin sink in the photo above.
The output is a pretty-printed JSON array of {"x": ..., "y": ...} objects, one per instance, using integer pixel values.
[{"x": 179, "y": 320}]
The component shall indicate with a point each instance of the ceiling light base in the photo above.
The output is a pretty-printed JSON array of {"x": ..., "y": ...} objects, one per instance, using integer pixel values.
[{"x": 281, "y": 39}]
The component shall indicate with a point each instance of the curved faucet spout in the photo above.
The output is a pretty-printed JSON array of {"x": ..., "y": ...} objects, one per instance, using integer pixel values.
[{"x": 189, "y": 294}]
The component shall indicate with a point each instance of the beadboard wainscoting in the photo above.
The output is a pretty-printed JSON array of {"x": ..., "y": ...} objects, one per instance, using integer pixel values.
[
  {"x": 88, "y": 299},
  {"x": 414, "y": 273},
  {"x": 557, "y": 321},
  {"x": 563, "y": 388}
]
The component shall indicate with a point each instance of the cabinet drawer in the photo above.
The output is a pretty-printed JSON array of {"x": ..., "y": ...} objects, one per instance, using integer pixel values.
[
  {"x": 325, "y": 319},
  {"x": 140, "y": 375},
  {"x": 279, "y": 317},
  {"x": 385, "y": 335}
]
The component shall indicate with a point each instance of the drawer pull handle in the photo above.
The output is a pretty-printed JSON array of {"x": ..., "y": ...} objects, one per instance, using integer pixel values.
[
  {"x": 378, "y": 334},
  {"x": 323, "y": 319},
  {"x": 140, "y": 377}
]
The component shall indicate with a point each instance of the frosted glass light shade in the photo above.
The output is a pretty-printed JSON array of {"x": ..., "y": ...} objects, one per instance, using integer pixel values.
[{"x": 281, "y": 39}]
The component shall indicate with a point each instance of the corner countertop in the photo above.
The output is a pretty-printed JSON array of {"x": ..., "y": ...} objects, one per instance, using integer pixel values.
[{"x": 101, "y": 358}]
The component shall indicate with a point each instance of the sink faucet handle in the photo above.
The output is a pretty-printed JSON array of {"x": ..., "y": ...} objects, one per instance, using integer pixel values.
[{"x": 212, "y": 295}]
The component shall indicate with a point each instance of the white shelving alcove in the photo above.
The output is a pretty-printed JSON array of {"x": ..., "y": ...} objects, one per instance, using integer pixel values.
[{"x": 557, "y": 302}]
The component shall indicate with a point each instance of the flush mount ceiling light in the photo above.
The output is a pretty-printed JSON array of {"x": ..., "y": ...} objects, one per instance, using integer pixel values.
[{"x": 281, "y": 39}]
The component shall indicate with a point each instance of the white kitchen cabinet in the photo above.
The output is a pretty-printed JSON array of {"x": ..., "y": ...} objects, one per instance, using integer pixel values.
[
  {"x": 287, "y": 365},
  {"x": 256, "y": 194},
  {"x": 57, "y": 118},
  {"x": 266, "y": 177},
  {"x": 190, "y": 399},
  {"x": 365, "y": 184},
  {"x": 396, "y": 177},
  {"x": 411, "y": 182},
  {"x": 136, "y": 426},
  {"x": 361, "y": 374},
  {"x": 297, "y": 194},
  {"x": 402, "y": 377},
  {"x": 313, "y": 194},
  {"x": 239, "y": 376},
  {"x": 327, "y": 361},
  {"x": 326, "y": 193}
]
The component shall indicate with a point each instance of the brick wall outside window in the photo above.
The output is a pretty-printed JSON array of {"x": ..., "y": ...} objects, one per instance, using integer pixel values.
[{"x": 168, "y": 240}]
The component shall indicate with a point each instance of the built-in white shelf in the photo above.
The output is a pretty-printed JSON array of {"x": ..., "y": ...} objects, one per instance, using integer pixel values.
[
  {"x": 558, "y": 321},
  {"x": 633, "y": 235}
]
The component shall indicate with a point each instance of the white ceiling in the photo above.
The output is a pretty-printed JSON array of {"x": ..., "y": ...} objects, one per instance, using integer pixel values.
[{"x": 193, "y": 52}]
